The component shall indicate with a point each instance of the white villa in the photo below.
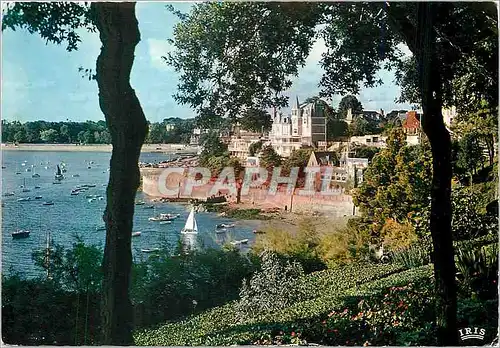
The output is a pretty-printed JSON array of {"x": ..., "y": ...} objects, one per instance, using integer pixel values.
[{"x": 305, "y": 127}]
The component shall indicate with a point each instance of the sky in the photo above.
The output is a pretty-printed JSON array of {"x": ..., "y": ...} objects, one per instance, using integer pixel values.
[{"x": 41, "y": 81}]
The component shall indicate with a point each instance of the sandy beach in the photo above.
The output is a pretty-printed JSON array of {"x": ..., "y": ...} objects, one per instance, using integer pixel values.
[{"x": 95, "y": 147}]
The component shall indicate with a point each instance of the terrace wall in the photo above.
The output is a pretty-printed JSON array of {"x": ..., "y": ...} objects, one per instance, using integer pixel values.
[{"x": 339, "y": 204}]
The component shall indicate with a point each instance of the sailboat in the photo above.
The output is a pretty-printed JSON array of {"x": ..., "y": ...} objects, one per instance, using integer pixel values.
[
  {"x": 25, "y": 189},
  {"x": 59, "y": 175},
  {"x": 191, "y": 227}
]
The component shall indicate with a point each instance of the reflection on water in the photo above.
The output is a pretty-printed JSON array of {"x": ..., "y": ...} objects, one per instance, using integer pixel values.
[
  {"x": 81, "y": 215},
  {"x": 189, "y": 242}
]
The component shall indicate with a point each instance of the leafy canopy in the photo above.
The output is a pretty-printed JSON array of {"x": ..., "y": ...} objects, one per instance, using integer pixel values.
[{"x": 234, "y": 56}]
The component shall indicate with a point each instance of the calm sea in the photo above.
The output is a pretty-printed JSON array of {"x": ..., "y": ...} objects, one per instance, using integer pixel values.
[{"x": 75, "y": 215}]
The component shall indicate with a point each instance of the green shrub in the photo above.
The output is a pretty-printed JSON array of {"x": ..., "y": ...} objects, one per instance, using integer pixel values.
[
  {"x": 396, "y": 316},
  {"x": 414, "y": 256},
  {"x": 277, "y": 285},
  {"x": 473, "y": 312},
  {"x": 41, "y": 312},
  {"x": 300, "y": 246},
  {"x": 397, "y": 236},
  {"x": 297, "y": 323},
  {"x": 344, "y": 245},
  {"x": 166, "y": 288},
  {"x": 477, "y": 271},
  {"x": 468, "y": 221}
]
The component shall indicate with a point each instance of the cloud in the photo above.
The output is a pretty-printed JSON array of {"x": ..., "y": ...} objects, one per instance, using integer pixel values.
[{"x": 156, "y": 49}]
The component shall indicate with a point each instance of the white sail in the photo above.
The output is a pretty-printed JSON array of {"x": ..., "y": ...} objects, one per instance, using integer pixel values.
[{"x": 191, "y": 225}]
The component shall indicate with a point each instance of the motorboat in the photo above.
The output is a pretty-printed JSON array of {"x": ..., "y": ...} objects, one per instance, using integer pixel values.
[
  {"x": 48, "y": 203},
  {"x": 140, "y": 203},
  {"x": 100, "y": 228},
  {"x": 37, "y": 187},
  {"x": 224, "y": 226},
  {"x": 24, "y": 199},
  {"x": 258, "y": 232},
  {"x": 136, "y": 234},
  {"x": 38, "y": 197},
  {"x": 165, "y": 222},
  {"x": 239, "y": 242},
  {"x": 8, "y": 194},
  {"x": 163, "y": 217},
  {"x": 20, "y": 234},
  {"x": 149, "y": 207},
  {"x": 152, "y": 250},
  {"x": 76, "y": 175}
]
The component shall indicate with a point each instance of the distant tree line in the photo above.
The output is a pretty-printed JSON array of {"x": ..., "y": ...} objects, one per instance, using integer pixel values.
[
  {"x": 88, "y": 132},
  {"x": 171, "y": 130}
]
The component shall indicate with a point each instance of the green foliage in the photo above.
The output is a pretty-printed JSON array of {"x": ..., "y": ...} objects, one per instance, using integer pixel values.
[
  {"x": 88, "y": 132},
  {"x": 336, "y": 128},
  {"x": 65, "y": 309},
  {"x": 301, "y": 246},
  {"x": 396, "y": 236},
  {"x": 399, "y": 315},
  {"x": 327, "y": 290},
  {"x": 75, "y": 269},
  {"x": 214, "y": 154},
  {"x": 414, "y": 256},
  {"x": 316, "y": 243},
  {"x": 269, "y": 158},
  {"x": 468, "y": 221},
  {"x": 396, "y": 184},
  {"x": 274, "y": 287},
  {"x": 256, "y": 120},
  {"x": 477, "y": 271},
  {"x": 481, "y": 123},
  {"x": 349, "y": 102},
  {"x": 344, "y": 245},
  {"x": 166, "y": 288},
  {"x": 49, "y": 136},
  {"x": 225, "y": 68},
  {"x": 254, "y": 148},
  {"x": 469, "y": 156},
  {"x": 473, "y": 312},
  {"x": 364, "y": 151},
  {"x": 40, "y": 312},
  {"x": 56, "y": 22}
]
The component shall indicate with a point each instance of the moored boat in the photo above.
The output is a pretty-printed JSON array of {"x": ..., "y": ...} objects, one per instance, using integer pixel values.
[
  {"x": 224, "y": 226},
  {"x": 48, "y": 203},
  {"x": 24, "y": 199},
  {"x": 152, "y": 250},
  {"x": 239, "y": 242},
  {"x": 136, "y": 234},
  {"x": 20, "y": 234},
  {"x": 191, "y": 227},
  {"x": 59, "y": 175}
]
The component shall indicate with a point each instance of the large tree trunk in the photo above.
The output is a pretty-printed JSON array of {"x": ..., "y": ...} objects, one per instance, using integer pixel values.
[
  {"x": 439, "y": 138},
  {"x": 119, "y": 34}
]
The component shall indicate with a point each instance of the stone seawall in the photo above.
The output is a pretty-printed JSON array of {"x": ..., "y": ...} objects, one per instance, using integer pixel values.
[{"x": 335, "y": 205}]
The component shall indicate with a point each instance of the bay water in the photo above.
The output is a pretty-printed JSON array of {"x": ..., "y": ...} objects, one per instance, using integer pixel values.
[{"x": 73, "y": 215}]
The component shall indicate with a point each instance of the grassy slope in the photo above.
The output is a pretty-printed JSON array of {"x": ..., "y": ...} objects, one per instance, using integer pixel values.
[{"x": 220, "y": 326}]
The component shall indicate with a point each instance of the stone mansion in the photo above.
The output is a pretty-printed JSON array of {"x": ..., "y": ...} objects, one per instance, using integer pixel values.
[{"x": 306, "y": 126}]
